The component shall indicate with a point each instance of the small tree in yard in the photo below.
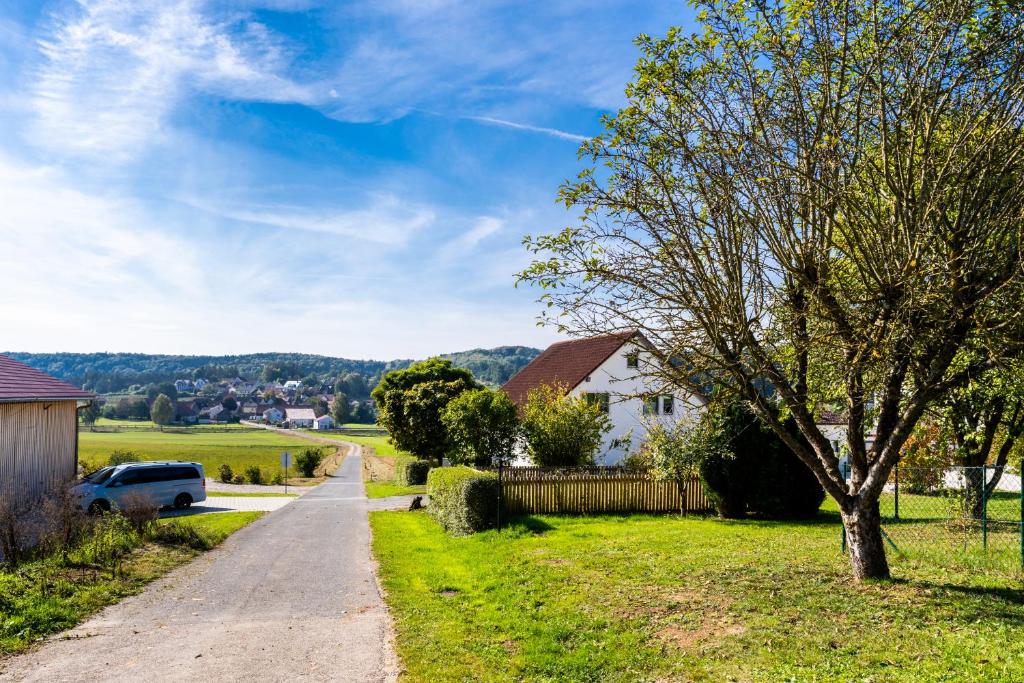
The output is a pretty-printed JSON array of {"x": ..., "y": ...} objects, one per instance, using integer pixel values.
[
  {"x": 824, "y": 197},
  {"x": 162, "y": 411},
  {"x": 674, "y": 452},
  {"x": 410, "y": 403},
  {"x": 560, "y": 430},
  {"x": 90, "y": 413},
  {"x": 482, "y": 427}
]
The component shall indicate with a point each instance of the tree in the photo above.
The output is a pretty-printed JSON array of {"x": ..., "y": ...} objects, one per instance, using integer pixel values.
[
  {"x": 674, "y": 452},
  {"x": 340, "y": 409},
  {"x": 162, "y": 411},
  {"x": 560, "y": 430},
  {"x": 482, "y": 427},
  {"x": 825, "y": 197},
  {"x": 984, "y": 421},
  {"x": 166, "y": 388},
  {"x": 318, "y": 405},
  {"x": 410, "y": 402},
  {"x": 90, "y": 413},
  {"x": 230, "y": 404}
]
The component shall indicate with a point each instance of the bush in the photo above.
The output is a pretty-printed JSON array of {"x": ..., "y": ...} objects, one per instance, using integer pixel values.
[
  {"x": 139, "y": 510},
  {"x": 308, "y": 460},
  {"x": 176, "y": 533},
  {"x": 120, "y": 457},
  {"x": 562, "y": 431},
  {"x": 482, "y": 425},
  {"x": 238, "y": 479},
  {"x": 756, "y": 472},
  {"x": 253, "y": 474},
  {"x": 90, "y": 465},
  {"x": 411, "y": 472},
  {"x": 462, "y": 499},
  {"x": 276, "y": 479},
  {"x": 225, "y": 473},
  {"x": 112, "y": 537}
]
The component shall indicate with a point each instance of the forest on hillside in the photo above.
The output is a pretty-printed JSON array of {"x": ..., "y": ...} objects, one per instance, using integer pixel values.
[{"x": 107, "y": 373}]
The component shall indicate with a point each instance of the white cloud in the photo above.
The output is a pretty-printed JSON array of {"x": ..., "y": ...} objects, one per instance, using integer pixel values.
[
  {"x": 385, "y": 220},
  {"x": 114, "y": 70},
  {"x": 461, "y": 246}
]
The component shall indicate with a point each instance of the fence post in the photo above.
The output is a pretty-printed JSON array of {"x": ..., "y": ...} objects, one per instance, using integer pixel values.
[
  {"x": 984, "y": 507},
  {"x": 1020, "y": 485},
  {"x": 897, "y": 503},
  {"x": 500, "y": 460}
]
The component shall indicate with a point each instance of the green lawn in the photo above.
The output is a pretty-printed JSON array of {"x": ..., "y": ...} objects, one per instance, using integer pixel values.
[
  {"x": 384, "y": 489},
  {"x": 648, "y": 598},
  {"x": 49, "y": 595},
  {"x": 238, "y": 449}
]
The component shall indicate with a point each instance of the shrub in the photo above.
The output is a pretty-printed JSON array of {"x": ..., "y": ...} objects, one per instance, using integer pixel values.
[
  {"x": 16, "y": 532},
  {"x": 63, "y": 522},
  {"x": 308, "y": 460},
  {"x": 139, "y": 510},
  {"x": 755, "y": 471},
  {"x": 225, "y": 473},
  {"x": 411, "y": 472},
  {"x": 482, "y": 426},
  {"x": 462, "y": 499},
  {"x": 276, "y": 479},
  {"x": 90, "y": 465},
  {"x": 562, "y": 431},
  {"x": 238, "y": 479},
  {"x": 254, "y": 474},
  {"x": 176, "y": 533},
  {"x": 112, "y": 537},
  {"x": 120, "y": 457}
]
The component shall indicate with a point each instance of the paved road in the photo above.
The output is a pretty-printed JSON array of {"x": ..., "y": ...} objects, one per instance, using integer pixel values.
[
  {"x": 292, "y": 596},
  {"x": 232, "y": 504}
]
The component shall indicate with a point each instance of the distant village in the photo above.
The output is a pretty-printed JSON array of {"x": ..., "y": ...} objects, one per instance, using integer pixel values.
[{"x": 305, "y": 403}]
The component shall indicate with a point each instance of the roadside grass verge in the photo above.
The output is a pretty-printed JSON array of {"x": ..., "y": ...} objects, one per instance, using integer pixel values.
[
  {"x": 237, "y": 449},
  {"x": 381, "y": 445},
  {"x": 51, "y": 594},
  {"x": 643, "y": 598},
  {"x": 379, "y": 478},
  {"x": 386, "y": 489}
]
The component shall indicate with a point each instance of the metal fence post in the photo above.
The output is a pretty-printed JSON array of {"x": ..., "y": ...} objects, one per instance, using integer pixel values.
[
  {"x": 984, "y": 507},
  {"x": 897, "y": 500}
]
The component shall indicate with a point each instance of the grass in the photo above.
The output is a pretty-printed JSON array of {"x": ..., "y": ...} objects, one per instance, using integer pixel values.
[
  {"x": 229, "y": 494},
  {"x": 381, "y": 445},
  {"x": 237, "y": 449},
  {"x": 47, "y": 595},
  {"x": 385, "y": 489},
  {"x": 644, "y": 598}
]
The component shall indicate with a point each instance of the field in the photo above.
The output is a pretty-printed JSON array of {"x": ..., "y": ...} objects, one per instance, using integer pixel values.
[
  {"x": 644, "y": 598},
  {"x": 380, "y": 444},
  {"x": 238, "y": 449}
]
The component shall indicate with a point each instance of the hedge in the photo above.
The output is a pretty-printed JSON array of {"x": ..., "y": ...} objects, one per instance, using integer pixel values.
[
  {"x": 410, "y": 471},
  {"x": 462, "y": 499}
]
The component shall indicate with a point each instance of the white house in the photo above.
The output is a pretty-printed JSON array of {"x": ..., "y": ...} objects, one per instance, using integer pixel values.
[
  {"x": 607, "y": 369},
  {"x": 300, "y": 417},
  {"x": 323, "y": 422},
  {"x": 273, "y": 415}
]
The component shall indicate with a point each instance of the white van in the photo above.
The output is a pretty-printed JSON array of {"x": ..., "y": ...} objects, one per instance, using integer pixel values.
[{"x": 177, "y": 484}]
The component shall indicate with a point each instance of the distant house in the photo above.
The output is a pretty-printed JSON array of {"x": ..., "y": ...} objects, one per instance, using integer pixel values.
[
  {"x": 38, "y": 430},
  {"x": 292, "y": 385},
  {"x": 323, "y": 422},
  {"x": 185, "y": 412},
  {"x": 182, "y": 385},
  {"x": 300, "y": 417},
  {"x": 607, "y": 370},
  {"x": 273, "y": 415}
]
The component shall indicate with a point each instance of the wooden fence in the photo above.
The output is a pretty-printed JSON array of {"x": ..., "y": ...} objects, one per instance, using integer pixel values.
[{"x": 529, "y": 490}]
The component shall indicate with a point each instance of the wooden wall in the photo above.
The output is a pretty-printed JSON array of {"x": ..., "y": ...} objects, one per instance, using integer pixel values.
[{"x": 37, "y": 447}]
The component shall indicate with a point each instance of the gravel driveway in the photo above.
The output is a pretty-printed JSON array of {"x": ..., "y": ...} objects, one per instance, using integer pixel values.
[{"x": 292, "y": 596}]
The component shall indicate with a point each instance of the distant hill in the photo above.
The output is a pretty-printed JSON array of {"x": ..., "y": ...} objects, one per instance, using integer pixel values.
[{"x": 116, "y": 372}]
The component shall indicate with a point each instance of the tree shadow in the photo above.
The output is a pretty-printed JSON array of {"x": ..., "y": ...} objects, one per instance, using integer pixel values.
[{"x": 526, "y": 524}]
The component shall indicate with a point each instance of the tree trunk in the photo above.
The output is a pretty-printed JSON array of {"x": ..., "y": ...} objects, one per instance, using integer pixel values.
[{"x": 863, "y": 525}]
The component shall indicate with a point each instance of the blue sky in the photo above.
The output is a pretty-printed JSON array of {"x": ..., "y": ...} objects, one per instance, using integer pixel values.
[{"x": 352, "y": 179}]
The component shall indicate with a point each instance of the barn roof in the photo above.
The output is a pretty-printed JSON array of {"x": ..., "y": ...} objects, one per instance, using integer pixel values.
[
  {"x": 567, "y": 363},
  {"x": 22, "y": 383}
]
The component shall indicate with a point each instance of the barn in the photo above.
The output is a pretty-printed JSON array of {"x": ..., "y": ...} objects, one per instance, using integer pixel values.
[{"x": 38, "y": 430}]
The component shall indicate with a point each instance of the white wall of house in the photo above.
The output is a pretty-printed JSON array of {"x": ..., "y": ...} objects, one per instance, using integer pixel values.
[{"x": 323, "y": 422}]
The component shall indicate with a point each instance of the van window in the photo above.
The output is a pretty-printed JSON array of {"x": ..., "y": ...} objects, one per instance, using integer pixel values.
[
  {"x": 127, "y": 478},
  {"x": 183, "y": 472}
]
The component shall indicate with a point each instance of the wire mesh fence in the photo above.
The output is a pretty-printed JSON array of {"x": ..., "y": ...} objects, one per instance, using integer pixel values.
[{"x": 967, "y": 516}]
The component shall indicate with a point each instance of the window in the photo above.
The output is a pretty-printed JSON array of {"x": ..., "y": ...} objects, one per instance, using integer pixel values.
[
  {"x": 601, "y": 400},
  {"x": 668, "y": 404},
  {"x": 632, "y": 360},
  {"x": 651, "y": 405}
]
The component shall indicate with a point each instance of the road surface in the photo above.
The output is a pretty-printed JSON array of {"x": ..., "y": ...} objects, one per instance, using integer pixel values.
[{"x": 292, "y": 596}]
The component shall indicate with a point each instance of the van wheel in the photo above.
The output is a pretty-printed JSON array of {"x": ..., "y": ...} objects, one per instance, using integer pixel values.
[
  {"x": 183, "y": 502},
  {"x": 99, "y": 506}
]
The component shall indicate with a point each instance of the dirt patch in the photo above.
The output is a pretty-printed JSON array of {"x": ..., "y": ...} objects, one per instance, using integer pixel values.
[
  {"x": 377, "y": 467},
  {"x": 684, "y": 619}
]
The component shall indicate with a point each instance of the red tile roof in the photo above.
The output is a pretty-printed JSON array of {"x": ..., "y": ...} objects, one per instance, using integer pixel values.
[
  {"x": 19, "y": 382},
  {"x": 568, "y": 363}
]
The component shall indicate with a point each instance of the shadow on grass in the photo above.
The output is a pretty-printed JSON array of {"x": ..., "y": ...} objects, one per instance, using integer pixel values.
[{"x": 525, "y": 525}]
